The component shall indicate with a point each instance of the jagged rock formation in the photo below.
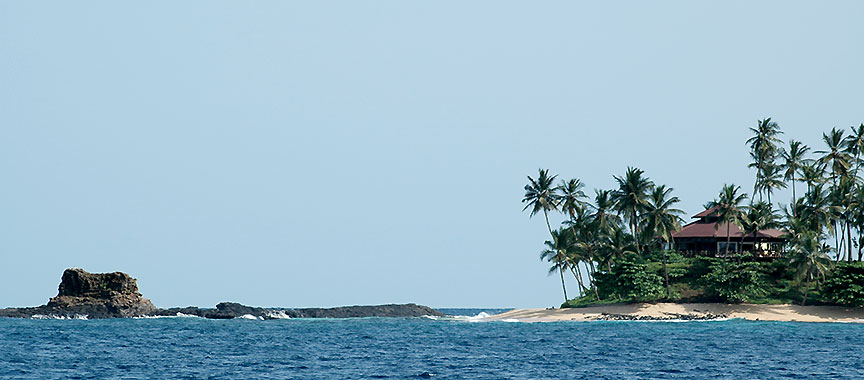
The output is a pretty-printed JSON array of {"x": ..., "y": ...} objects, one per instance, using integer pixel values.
[
  {"x": 95, "y": 295},
  {"x": 115, "y": 295}
]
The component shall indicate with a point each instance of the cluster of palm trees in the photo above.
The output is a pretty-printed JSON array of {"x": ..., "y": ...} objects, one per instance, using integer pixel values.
[
  {"x": 640, "y": 213},
  {"x": 595, "y": 233},
  {"x": 832, "y": 208}
]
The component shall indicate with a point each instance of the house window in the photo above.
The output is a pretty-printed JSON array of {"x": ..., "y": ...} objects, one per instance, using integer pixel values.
[{"x": 721, "y": 247}]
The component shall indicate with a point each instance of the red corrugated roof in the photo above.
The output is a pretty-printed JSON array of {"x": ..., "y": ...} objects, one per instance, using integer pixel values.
[{"x": 701, "y": 229}]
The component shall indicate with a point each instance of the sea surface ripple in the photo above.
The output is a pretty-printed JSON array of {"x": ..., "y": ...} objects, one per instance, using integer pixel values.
[{"x": 394, "y": 348}]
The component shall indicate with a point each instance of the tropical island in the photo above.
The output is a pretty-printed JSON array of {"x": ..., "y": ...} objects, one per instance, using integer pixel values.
[{"x": 631, "y": 245}]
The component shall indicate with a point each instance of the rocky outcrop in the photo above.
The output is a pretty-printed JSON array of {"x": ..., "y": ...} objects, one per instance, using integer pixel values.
[
  {"x": 94, "y": 295},
  {"x": 406, "y": 310},
  {"x": 115, "y": 295},
  {"x": 667, "y": 317},
  {"x": 229, "y": 310}
]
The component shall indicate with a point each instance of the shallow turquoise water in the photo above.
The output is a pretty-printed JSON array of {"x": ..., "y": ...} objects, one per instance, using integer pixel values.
[{"x": 194, "y": 348}]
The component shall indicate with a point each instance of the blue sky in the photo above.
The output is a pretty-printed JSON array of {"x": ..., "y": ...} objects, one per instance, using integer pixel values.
[{"x": 330, "y": 153}]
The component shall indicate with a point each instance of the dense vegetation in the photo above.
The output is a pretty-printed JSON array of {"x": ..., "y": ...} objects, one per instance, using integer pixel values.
[{"x": 618, "y": 244}]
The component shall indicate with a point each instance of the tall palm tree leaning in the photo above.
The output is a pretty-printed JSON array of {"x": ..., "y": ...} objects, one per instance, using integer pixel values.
[
  {"x": 729, "y": 209},
  {"x": 542, "y": 195},
  {"x": 631, "y": 198},
  {"x": 556, "y": 252},
  {"x": 663, "y": 220},
  {"x": 793, "y": 160}
]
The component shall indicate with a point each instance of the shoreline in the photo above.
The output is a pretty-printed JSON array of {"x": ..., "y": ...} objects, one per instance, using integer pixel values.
[{"x": 687, "y": 311}]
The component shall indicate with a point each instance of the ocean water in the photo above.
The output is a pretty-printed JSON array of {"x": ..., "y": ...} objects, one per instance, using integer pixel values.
[{"x": 415, "y": 348}]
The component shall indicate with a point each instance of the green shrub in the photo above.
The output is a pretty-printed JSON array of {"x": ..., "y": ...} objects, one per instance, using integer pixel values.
[
  {"x": 733, "y": 282},
  {"x": 630, "y": 280},
  {"x": 845, "y": 284}
]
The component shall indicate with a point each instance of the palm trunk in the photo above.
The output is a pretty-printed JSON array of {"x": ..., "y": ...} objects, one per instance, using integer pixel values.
[
  {"x": 581, "y": 280},
  {"x": 806, "y": 290},
  {"x": 578, "y": 273},
  {"x": 728, "y": 236},
  {"x": 860, "y": 245},
  {"x": 635, "y": 227},
  {"x": 849, "y": 241},
  {"x": 549, "y": 226},
  {"x": 562, "y": 284},
  {"x": 666, "y": 275},
  {"x": 849, "y": 199},
  {"x": 836, "y": 240},
  {"x": 793, "y": 188}
]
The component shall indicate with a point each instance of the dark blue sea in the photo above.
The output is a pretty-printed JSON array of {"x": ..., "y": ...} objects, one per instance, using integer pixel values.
[{"x": 416, "y": 348}]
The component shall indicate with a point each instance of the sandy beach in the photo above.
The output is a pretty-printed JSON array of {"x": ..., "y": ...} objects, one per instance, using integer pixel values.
[{"x": 785, "y": 313}]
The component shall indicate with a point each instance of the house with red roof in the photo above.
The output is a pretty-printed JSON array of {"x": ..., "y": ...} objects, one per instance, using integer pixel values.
[{"x": 707, "y": 236}]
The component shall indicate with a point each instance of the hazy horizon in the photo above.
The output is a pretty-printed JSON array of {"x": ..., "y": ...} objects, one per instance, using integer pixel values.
[{"x": 338, "y": 153}]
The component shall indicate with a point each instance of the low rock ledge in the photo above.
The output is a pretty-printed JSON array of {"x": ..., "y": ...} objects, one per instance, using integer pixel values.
[{"x": 115, "y": 295}]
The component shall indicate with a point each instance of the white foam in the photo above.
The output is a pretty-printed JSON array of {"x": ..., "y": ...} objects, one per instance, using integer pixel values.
[
  {"x": 52, "y": 316},
  {"x": 278, "y": 314},
  {"x": 480, "y": 317},
  {"x": 250, "y": 317}
]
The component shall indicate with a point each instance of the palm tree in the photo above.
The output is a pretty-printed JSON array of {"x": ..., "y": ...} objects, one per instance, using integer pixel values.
[
  {"x": 586, "y": 246},
  {"x": 810, "y": 259},
  {"x": 541, "y": 195},
  {"x": 572, "y": 204},
  {"x": 812, "y": 173},
  {"x": 816, "y": 209},
  {"x": 763, "y": 148},
  {"x": 858, "y": 218},
  {"x": 835, "y": 156},
  {"x": 854, "y": 145},
  {"x": 772, "y": 179},
  {"x": 631, "y": 198},
  {"x": 617, "y": 244},
  {"x": 556, "y": 252},
  {"x": 793, "y": 161},
  {"x": 571, "y": 198},
  {"x": 603, "y": 217},
  {"x": 837, "y": 159},
  {"x": 729, "y": 209},
  {"x": 844, "y": 205},
  {"x": 663, "y": 220},
  {"x": 759, "y": 216}
]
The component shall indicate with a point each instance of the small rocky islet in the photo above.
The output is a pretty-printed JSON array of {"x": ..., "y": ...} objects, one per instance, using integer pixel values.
[{"x": 115, "y": 295}]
